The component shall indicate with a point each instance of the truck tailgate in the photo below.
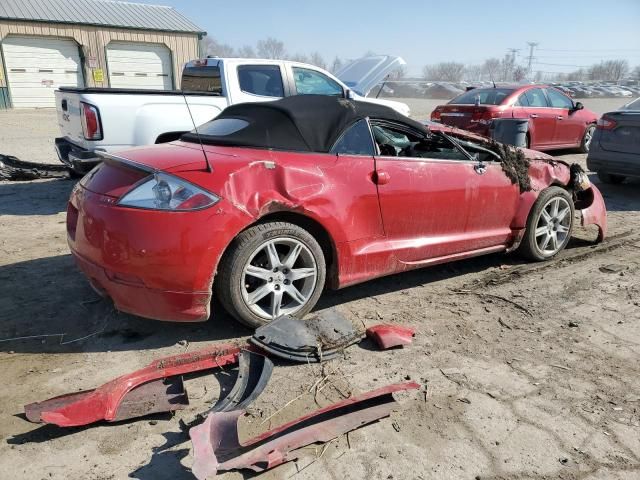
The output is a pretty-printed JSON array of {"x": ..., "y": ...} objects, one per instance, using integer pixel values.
[{"x": 68, "y": 112}]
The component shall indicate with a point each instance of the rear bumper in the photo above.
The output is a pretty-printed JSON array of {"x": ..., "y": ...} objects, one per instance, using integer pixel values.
[
  {"x": 76, "y": 158},
  {"x": 153, "y": 264},
  {"x": 143, "y": 301},
  {"x": 617, "y": 163}
]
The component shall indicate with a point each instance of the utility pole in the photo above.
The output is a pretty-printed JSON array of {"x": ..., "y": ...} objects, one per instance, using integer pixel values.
[
  {"x": 532, "y": 45},
  {"x": 514, "y": 52}
]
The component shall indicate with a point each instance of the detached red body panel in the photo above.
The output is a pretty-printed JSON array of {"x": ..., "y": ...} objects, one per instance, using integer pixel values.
[
  {"x": 104, "y": 403},
  {"x": 217, "y": 447},
  {"x": 389, "y": 336}
]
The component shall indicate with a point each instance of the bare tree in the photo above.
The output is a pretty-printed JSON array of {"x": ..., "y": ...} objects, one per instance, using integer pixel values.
[
  {"x": 577, "y": 75},
  {"x": 299, "y": 57},
  {"x": 398, "y": 74},
  {"x": 539, "y": 76},
  {"x": 317, "y": 60},
  {"x": 210, "y": 46},
  {"x": 520, "y": 73},
  {"x": 636, "y": 73},
  {"x": 507, "y": 65},
  {"x": 614, "y": 70},
  {"x": 491, "y": 68},
  {"x": 336, "y": 65},
  {"x": 444, "y": 71},
  {"x": 246, "y": 51},
  {"x": 473, "y": 72},
  {"x": 617, "y": 69},
  {"x": 271, "y": 48}
]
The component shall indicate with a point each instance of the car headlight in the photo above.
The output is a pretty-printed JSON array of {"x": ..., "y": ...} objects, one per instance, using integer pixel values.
[{"x": 166, "y": 192}]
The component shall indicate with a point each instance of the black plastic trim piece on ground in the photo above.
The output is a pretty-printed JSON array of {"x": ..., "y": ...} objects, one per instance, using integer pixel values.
[
  {"x": 12, "y": 168},
  {"x": 254, "y": 372},
  {"x": 315, "y": 339}
]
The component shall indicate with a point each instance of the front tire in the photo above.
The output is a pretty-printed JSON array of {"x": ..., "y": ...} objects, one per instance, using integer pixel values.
[
  {"x": 549, "y": 225},
  {"x": 585, "y": 144},
  {"x": 270, "y": 270}
]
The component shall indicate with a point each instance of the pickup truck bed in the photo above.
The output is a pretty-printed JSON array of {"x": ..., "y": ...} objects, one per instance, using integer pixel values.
[{"x": 111, "y": 119}]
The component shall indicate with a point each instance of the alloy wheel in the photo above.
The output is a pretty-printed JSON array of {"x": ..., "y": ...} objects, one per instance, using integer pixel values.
[
  {"x": 553, "y": 226},
  {"x": 279, "y": 278}
]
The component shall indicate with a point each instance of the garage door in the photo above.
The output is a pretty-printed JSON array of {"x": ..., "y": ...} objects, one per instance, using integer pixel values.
[
  {"x": 36, "y": 66},
  {"x": 139, "y": 65}
]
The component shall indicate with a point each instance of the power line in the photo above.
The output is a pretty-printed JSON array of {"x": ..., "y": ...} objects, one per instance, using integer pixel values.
[
  {"x": 591, "y": 50},
  {"x": 561, "y": 65}
]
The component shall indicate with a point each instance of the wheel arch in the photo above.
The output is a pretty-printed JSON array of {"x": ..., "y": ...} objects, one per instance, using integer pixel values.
[{"x": 313, "y": 226}]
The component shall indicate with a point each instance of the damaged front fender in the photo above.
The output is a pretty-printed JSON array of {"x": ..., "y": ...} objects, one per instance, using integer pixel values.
[{"x": 592, "y": 210}]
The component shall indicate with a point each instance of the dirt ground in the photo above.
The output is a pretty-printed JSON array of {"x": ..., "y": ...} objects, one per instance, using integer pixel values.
[{"x": 531, "y": 371}]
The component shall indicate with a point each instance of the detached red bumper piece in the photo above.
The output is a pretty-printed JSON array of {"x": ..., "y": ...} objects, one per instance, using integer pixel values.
[
  {"x": 389, "y": 336},
  {"x": 145, "y": 391},
  {"x": 217, "y": 447}
]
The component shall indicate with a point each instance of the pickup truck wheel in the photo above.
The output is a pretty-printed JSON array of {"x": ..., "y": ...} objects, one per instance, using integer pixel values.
[
  {"x": 586, "y": 139},
  {"x": 549, "y": 225},
  {"x": 610, "y": 178},
  {"x": 270, "y": 270}
]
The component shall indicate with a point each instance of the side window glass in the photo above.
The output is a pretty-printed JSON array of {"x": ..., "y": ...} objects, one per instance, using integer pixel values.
[
  {"x": 202, "y": 79},
  {"x": 536, "y": 98},
  {"x": 558, "y": 100},
  {"x": 393, "y": 142},
  {"x": 263, "y": 80},
  {"x": 355, "y": 141},
  {"x": 522, "y": 101},
  {"x": 310, "y": 82}
]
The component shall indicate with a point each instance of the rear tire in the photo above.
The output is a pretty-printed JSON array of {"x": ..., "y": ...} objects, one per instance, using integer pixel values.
[
  {"x": 585, "y": 143},
  {"x": 611, "y": 178},
  {"x": 270, "y": 270},
  {"x": 549, "y": 225}
]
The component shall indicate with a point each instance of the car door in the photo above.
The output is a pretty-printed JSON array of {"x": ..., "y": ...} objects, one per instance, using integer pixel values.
[
  {"x": 569, "y": 129},
  {"x": 535, "y": 107},
  {"x": 436, "y": 201}
]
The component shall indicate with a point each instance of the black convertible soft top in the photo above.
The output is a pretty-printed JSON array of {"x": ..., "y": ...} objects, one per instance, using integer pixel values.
[{"x": 305, "y": 123}]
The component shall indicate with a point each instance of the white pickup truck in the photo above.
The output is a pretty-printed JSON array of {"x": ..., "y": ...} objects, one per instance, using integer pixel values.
[{"x": 108, "y": 119}]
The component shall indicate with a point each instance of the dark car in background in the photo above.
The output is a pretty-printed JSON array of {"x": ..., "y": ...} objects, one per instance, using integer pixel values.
[
  {"x": 555, "y": 120},
  {"x": 615, "y": 148}
]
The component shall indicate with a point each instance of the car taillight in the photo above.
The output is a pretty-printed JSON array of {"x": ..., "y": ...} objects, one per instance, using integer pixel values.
[
  {"x": 162, "y": 191},
  {"x": 484, "y": 116},
  {"x": 606, "y": 123},
  {"x": 90, "y": 117},
  {"x": 435, "y": 115}
]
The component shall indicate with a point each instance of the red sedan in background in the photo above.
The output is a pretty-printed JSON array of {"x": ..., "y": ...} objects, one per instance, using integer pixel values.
[
  {"x": 268, "y": 203},
  {"x": 555, "y": 121}
]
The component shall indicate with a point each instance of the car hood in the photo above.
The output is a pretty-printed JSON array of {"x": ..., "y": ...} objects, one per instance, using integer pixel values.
[{"x": 365, "y": 73}]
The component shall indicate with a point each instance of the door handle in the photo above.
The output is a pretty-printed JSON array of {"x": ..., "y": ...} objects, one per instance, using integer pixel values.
[
  {"x": 480, "y": 168},
  {"x": 380, "y": 177},
  {"x": 534, "y": 115},
  {"x": 559, "y": 117}
]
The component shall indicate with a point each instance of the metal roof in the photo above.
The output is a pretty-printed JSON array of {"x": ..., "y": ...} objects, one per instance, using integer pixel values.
[{"x": 99, "y": 12}]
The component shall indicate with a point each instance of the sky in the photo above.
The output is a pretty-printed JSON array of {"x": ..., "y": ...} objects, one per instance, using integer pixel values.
[{"x": 569, "y": 33}]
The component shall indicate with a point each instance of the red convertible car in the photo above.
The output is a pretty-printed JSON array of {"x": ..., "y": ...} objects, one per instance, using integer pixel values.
[
  {"x": 270, "y": 203},
  {"x": 555, "y": 121}
]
